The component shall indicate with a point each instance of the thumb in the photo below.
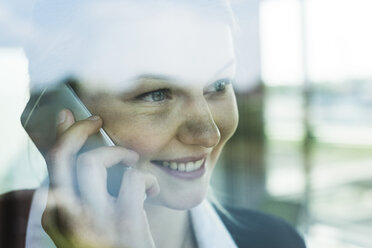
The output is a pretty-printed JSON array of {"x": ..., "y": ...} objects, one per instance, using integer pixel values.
[{"x": 65, "y": 119}]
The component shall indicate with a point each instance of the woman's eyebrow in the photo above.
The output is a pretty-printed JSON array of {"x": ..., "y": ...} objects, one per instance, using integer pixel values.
[
  {"x": 170, "y": 79},
  {"x": 165, "y": 78},
  {"x": 157, "y": 77}
]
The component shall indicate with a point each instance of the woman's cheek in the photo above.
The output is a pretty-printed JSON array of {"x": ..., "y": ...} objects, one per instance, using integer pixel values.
[
  {"x": 225, "y": 115},
  {"x": 226, "y": 123},
  {"x": 145, "y": 135}
]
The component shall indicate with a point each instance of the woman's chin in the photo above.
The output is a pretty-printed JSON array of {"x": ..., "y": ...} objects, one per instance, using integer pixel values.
[
  {"x": 186, "y": 204},
  {"x": 180, "y": 202}
]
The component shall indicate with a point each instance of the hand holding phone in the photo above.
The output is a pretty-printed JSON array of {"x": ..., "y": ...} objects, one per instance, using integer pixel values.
[
  {"x": 40, "y": 115},
  {"x": 79, "y": 150},
  {"x": 119, "y": 221},
  {"x": 39, "y": 120}
]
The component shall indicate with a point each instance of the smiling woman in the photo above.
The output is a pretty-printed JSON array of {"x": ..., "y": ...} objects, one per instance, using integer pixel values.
[
  {"x": 158, "y": 80},
  {"x": 179, "y": 127}
]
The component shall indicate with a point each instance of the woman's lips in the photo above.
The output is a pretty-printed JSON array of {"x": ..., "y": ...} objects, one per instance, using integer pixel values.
[{"x": 188, "y": 168}]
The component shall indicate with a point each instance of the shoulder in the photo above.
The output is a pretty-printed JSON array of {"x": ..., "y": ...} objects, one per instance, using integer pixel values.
[
  {"x": 14, "y": 211},
  {"x": 255, "y": 229}
]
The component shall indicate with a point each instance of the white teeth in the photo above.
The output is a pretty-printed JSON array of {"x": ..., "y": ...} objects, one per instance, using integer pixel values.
[
  {"x": 189, "y": 166},
  {"x": 198, "y": 164},
  {"x": 181, "y": 167},
  {"x": 173, "y": 166}
]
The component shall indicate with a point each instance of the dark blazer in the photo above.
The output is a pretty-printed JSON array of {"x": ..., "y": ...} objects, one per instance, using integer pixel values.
[
  {"x": 14, "y": 209},
  {"x": 252, "y": 229},
  {"x": 249, "y": 229}
]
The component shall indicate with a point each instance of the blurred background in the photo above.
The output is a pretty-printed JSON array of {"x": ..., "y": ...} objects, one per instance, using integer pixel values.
[{"x": 303, "y": 148}]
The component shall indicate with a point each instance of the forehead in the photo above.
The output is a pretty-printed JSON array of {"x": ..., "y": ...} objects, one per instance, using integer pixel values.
[
  {"x": 191, "y": 50},
  {"x": 113, "y": 44}
]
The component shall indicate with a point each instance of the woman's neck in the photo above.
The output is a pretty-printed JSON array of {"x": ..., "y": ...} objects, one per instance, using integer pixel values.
[{"x": 170, "y": 228}]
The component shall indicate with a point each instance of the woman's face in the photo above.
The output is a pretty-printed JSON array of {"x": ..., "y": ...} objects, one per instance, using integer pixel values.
[{"x": 179, "y": 111}]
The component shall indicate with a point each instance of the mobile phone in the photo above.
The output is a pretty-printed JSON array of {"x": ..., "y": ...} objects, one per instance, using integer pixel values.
[{"x": 39, "y": 121}]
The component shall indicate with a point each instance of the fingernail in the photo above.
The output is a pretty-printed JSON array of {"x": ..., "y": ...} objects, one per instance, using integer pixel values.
[
  {"x": 61, "y": 117},
  {"x": 94, "y": 118}
]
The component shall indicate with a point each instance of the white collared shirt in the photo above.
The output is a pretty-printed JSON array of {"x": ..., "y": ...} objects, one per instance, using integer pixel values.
[{"x": 208, "y": 227}]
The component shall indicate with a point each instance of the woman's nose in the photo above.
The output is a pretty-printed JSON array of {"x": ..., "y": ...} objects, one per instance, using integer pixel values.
[{"x": 198, "y": 127}]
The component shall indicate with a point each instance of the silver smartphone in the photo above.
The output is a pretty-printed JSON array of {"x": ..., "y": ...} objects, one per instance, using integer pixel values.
[{"x": 39, "y": 121}]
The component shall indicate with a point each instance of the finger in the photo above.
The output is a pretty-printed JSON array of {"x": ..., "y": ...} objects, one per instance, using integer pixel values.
[
  {"x": 73, "y": 138},
  {"x": 61, "y": 157},
  {"x": 65, "y": 119},
  {"x": 133, "y": 188},
  {"x": 108, "y": 156},
  {"x": 92, "y": 174},
  {"x": 91, "y": 179}
]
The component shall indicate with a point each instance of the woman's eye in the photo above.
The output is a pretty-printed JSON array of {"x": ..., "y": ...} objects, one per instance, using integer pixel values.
[
  {"x": 155, "y": 96},
  {"x": 218, "y": 86}
]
